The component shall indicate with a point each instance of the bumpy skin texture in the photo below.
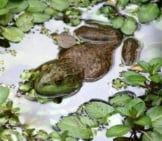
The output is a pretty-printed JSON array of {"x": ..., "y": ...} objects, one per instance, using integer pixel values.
[
  {"x": 58, "y": 77},
  {"x": 129, "y": 51},
  {"x": 94, "y": 59},
  {"x": 88, "y": 61}
]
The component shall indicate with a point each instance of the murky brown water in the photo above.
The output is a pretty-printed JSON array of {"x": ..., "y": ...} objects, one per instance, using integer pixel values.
[{"x": 36, "y": 49}]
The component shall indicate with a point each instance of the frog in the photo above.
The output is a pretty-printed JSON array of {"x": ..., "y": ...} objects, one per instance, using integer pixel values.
[{"x": 87, "y": 61}]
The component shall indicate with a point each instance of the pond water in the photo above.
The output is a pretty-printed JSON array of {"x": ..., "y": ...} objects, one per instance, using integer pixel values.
[{"x": 36, "y": 48}]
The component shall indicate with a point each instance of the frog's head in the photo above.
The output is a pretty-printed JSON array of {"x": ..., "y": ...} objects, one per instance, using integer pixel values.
[{"x": 58, "y": 78}]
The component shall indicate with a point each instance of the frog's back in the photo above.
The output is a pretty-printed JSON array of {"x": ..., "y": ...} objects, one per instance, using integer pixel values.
[{"x": 92, "y": 58}]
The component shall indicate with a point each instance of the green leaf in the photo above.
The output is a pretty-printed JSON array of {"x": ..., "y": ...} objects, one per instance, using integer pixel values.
[
  {"x": 117, "y": 131},
  {"x": 99, "y": 110},
  {"x": 117, "y": 21},
  {"x": 42, "y": 135},
  {"x": 40, "y": 17},
  {"x": 11, "y": 135},
  {"x": 75, "y": 127},
  {"x": 156, "y": 64},
  {"x": 143, "y": 121},
  {"x": 124, "y": 111},
  {"x": 154, "y": 99},
  {"x": 108, "y": 11},
  {"x": 60, "y": 5},
  {"x": 3, "y": 3},
  {"x": 136, "y": 107},
  {"x": 129, "y": 26},
  {"x": 121, "y": 98},
  {"x": 134, "y": 78},
  {"x": 4, "y": 11},
  {"x": 151, "y": 136},
  {"x": 17, "y": 6},
  {"x": 5, "y": 19},
  {"x": 155, "y": 115},
  {"x": 36, "y": 6},
  {"x": 148, "y": 12},
  {"x": 145, "y": 66},
  {"x": 4, "y": 93},
  {"x": 50, "y": 11},
  {"x": 55, "y": 135},
  {"x": 13, "y": 34},
  {"x": 155, "y": 78},
  {"x": 156, "y": 61},
  {"x": 122, "y": 3},
  {"x": 24, "y": 22}
]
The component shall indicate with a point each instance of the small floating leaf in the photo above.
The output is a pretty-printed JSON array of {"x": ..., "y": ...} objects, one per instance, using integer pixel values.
[
  {"x": 148, "y": 12},
  {"x": 60, "y": 5},
  {"x": 13, "y": 34},
  {"x": 108, "y": 11},
  {"x": 75, "y": 127},
  {"x": 117, "y": 22},
  {"x": 24, "y": 22},
  {"x": 129, "y": 26},
  {"x": 5, "y": 19},
  {"x": 4, "y": 11},
  {"x": 122, "y": 3},
  {"x": 40, "y": 17},
  {"x": 4, "y": 93},
  {"x": 99, "y": 110},
  {"x": 17, "y": 5},
  {"x": 117, "y": 130},
  {"x": 3, "y": 3},
  {"x": 121, "y": 98},
  {"x": 50, "y": 11},
  {"x": 36, "y": 6}
]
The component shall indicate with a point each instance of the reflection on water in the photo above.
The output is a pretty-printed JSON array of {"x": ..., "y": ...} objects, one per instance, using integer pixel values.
[{"x": 36, "y": 49}]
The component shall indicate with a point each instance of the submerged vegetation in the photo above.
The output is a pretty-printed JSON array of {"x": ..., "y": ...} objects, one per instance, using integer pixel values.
[{"x": 141, "y": 116}]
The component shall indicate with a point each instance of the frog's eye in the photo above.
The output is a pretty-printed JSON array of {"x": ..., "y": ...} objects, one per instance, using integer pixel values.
[{"x": 58, "y": 80}]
